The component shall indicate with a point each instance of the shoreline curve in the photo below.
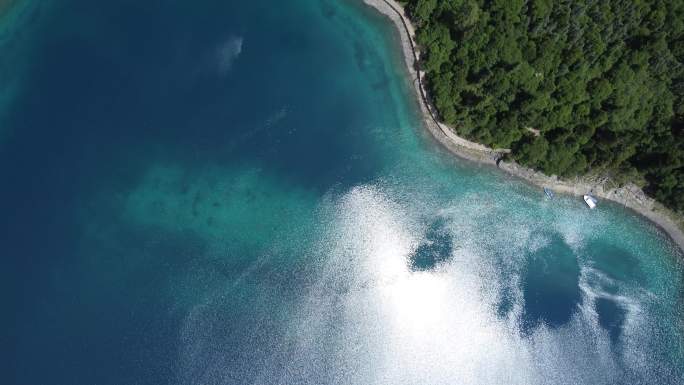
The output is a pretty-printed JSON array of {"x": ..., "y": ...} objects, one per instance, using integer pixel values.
[{"x": 630, "y": 195}]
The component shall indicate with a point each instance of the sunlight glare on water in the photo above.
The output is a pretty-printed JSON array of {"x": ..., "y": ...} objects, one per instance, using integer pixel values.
[{"x": 242, "y": 192}]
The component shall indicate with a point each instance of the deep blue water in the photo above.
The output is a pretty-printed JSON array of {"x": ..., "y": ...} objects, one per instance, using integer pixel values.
[{"x": 224, "y": 192}]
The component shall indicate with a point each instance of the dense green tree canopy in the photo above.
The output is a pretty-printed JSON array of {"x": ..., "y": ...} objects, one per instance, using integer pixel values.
[{"x": 601, "y": 80}]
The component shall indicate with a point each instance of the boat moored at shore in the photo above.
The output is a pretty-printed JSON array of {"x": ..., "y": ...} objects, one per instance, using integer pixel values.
[
  {"x": 590, "y": 201},
  {"x": 548, "y": 192}
]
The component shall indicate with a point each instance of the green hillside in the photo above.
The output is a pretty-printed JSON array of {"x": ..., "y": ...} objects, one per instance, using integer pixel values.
[{"x": 601, "y": 82}]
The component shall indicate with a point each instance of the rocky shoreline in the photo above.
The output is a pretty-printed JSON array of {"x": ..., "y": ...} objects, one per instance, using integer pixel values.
[{"x": 630, "y": 196}]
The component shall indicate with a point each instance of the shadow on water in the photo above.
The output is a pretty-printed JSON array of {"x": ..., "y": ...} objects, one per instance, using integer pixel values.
[
  {"x": 615, "y": 262},
  {"x": 434, "y": 250},
  {"x": 615, "y": 267},
  {"x": 550, "y": 285},
  {"x": 611, "y": 317}
]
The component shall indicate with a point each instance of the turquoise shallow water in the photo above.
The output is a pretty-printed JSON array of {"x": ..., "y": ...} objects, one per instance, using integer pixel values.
[{"x": 241, "y": 192}]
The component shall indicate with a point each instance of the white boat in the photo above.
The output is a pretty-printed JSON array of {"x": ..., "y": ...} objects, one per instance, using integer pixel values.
[{"x": 590, "y": 201}]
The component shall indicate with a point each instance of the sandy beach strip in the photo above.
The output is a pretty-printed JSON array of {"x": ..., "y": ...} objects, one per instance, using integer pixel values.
[{"x": 629, "y": 196}]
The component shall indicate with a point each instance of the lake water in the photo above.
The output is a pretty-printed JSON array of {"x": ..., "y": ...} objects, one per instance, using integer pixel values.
[{"x": 235, "y": 192}]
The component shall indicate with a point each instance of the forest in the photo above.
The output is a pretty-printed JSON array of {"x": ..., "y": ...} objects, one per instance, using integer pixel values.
[{"x": 571, "y": 87}]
